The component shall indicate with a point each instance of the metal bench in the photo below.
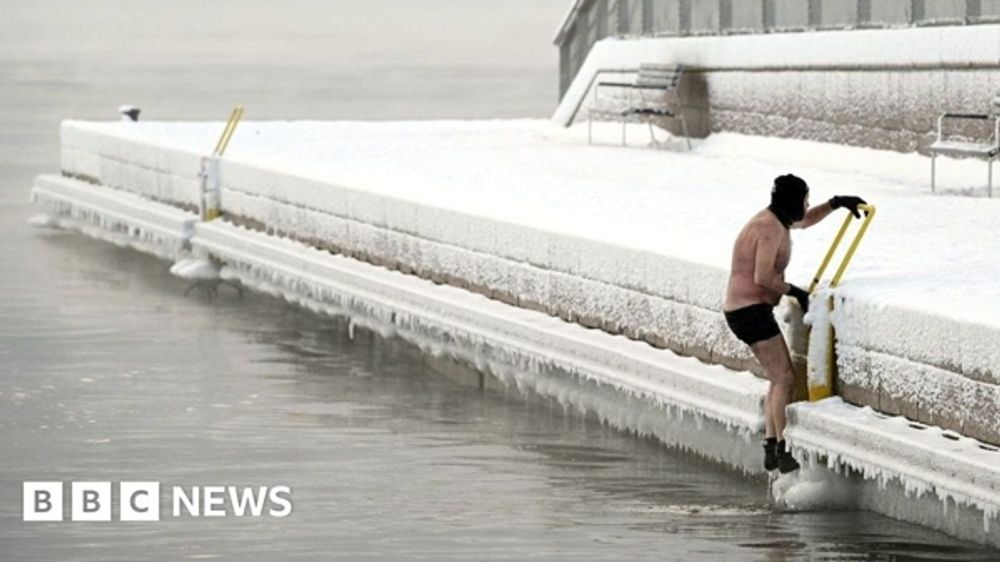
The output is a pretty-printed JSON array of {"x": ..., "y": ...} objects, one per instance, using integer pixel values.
[
  {"x": 963, "y": 147},
  {"x": 651, "y": 97}
]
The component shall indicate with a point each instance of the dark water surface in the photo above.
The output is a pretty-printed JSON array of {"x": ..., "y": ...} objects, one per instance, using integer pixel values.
[{"x": 108, "y": 372}]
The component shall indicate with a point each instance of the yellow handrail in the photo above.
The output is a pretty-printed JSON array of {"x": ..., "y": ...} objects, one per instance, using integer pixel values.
[
  {"x": 869, "y": 215},
  {"x": 227, "y": 133},
  {"x": 820, "y": 389}
]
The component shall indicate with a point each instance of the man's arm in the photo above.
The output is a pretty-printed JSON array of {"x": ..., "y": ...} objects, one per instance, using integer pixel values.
[
  {"x": 764, "y": 273},
  {"x": 820, "y": 212},
  {"x": 814, "y": 215}
]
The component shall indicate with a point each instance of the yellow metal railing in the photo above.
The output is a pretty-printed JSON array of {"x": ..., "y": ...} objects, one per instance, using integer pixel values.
[
  {"x": 869, "y": 215},
  {"x": 227, "y": 133},
  {"x": 824, "y": 389}
]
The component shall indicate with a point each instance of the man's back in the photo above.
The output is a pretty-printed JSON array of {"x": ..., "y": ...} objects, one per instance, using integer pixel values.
[{"x": 743, "y": 289}]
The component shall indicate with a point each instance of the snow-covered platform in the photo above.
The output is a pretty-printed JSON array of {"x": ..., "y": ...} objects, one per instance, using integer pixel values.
[
  {"x": 632, "y": 241},
  {"x": 923, "y": 474}
]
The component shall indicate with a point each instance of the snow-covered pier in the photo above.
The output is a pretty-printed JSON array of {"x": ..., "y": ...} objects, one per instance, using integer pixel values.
[{"x": 583, "y": 271}]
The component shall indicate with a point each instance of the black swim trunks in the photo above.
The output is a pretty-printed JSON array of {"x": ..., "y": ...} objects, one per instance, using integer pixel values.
[{"x": 753, "y": 323}]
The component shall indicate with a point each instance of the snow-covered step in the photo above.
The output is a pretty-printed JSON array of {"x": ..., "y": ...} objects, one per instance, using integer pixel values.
[
  {"x": 120, "y": 217},
  {"x": 894, "y": 450}
]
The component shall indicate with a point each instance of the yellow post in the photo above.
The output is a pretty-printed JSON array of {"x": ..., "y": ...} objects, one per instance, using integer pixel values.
[
  {"x": 210, "y": 173},
  {"x": 820, "y": 389}
]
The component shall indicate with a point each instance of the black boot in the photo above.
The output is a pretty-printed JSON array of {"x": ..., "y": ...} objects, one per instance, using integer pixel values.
[
  {"x": 786, "y": 462},
  {"x": 770, "y": 453}
]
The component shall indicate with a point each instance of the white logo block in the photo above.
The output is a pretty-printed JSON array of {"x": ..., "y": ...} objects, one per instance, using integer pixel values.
[
  {"x": 43, "y": 501},
  {"x": 139, "y": 501},
  {"x": 91, "y": 501}
]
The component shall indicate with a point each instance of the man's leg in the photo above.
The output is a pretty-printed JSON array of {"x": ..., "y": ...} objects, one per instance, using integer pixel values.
[
  {"x": 769, "y": 431},
  {"x": 772, "y": 354}
]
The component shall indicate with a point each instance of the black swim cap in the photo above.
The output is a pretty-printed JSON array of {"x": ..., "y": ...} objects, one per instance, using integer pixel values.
[{"x": 787, "y": 197}]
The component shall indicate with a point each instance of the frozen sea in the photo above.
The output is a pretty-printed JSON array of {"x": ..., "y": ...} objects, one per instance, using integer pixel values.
[{"x": 109, "y": 372}]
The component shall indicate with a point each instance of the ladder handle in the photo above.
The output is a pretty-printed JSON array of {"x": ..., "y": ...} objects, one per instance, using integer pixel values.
[
  {"x": 227, "y": 132},
  {"x": 218, "y": 144},
  {"x": 232, "y": 130},
  {"x": 830, "y": 252},
  {"x": 869, "y": 215}
]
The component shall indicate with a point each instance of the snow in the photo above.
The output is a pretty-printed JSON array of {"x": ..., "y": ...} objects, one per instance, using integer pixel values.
[
  {"x": 818, "y": 319},
  {"x": 527, "y": 173},
  {"x": 530, "y": 174},
  {"x": 145, "y": 167},
  {"x": 814, "y": 488},
  {"x": 196, "y": 269},
  {"x": 43, "y": 220}
]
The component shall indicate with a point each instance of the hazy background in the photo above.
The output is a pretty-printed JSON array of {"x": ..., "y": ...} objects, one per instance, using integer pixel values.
[
  {"x": 345, "y": 33},
  {"x": 295, "y": 59}
]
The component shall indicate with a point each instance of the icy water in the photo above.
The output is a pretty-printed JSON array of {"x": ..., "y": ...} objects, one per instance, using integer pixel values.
[{"x": 108, "y": 372}]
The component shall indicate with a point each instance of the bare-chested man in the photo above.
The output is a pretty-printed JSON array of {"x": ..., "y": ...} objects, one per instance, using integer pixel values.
[{"x": 756, "y": 284}]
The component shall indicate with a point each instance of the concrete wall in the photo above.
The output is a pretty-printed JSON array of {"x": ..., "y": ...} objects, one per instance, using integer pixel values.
[
  {"x": 592, "y": 20},
  {"x": 877, "y": 88},
  {"x": 891, "y": 109}
]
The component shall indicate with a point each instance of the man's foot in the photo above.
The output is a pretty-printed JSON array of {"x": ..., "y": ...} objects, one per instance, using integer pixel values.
[
  {"x": 786, "y": 462},
  {"x": 770, "y": 454}
]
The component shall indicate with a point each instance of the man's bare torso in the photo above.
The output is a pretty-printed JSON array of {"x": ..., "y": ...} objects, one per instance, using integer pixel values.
[{"x": 743, "y": 290}]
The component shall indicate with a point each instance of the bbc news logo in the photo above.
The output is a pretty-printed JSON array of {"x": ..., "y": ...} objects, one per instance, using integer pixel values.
[{"x": 140, "y": 501}]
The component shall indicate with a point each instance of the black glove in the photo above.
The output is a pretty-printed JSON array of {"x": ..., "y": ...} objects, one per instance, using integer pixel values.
[
  {"x": 800, "y": 295},
  {"x": 848, "y": 202}
]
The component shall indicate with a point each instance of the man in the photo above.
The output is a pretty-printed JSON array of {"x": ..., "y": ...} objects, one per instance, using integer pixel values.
[{"x": 757, "y": 282}]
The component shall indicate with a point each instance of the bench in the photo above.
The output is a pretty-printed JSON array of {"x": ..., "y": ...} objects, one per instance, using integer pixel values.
[
  {"x": 650, "y": 98},
  {"x": 987, "y": 149}
]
